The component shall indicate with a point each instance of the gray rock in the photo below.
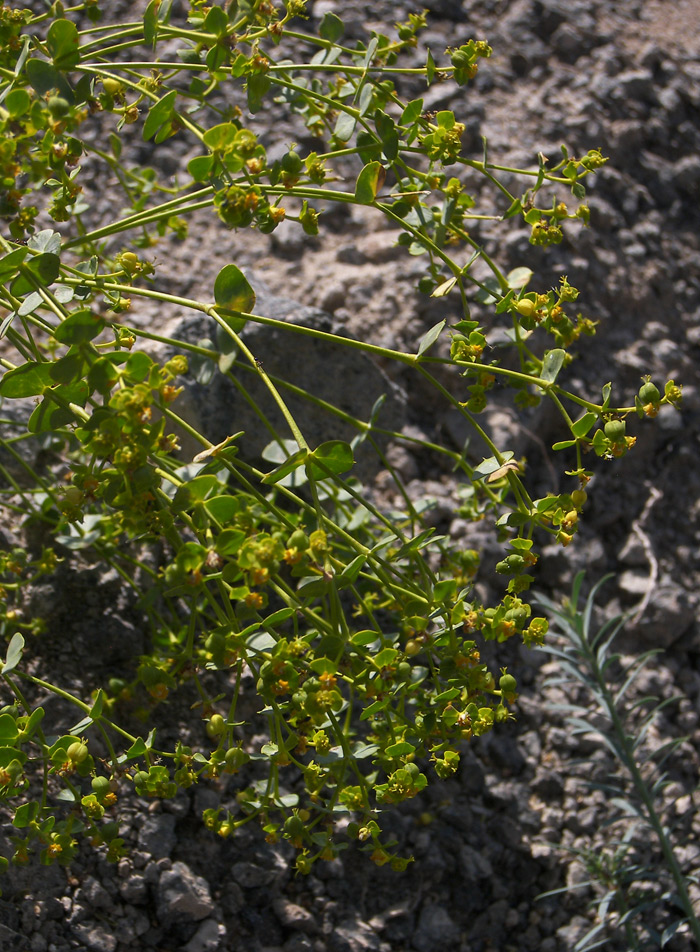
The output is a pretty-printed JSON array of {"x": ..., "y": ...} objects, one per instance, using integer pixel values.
[
  {"x": 570, "y": 934},
  {"x": 250, "y": 876},
  {"x": 547, "y": 784},
  {"x": 436, "y": 929},
  {"x": 95, "y": 937},
  {"x": 182, "y": 895},
  {"x": 15, "y": 414},
  {"x": 93, "y": 895},
  {"x": 293, "y": 916},
  {"x": 134, "y": 889},
  {"x": 10, "y": 940},
  {"x": 299, "y": 943},
  {"x": 475, "y": 866},
  {"x": 342, "y": 376},
  {"x": 670, "y": 612},
  {"x": 353, "y": 935},
  {"x": 157, "y": 835},
  {"x": 207, "y": 938}
]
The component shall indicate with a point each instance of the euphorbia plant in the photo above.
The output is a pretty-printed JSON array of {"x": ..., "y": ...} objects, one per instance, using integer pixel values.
[{"x": 360, "y": 627}]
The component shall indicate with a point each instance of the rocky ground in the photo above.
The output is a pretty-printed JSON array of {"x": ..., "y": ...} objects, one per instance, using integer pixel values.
[{"x": 624, "y": 78}]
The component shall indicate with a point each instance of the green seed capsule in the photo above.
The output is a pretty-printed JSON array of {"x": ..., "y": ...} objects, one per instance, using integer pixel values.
[
  {"x": 58, "y": 107},
  {"x": 649, "y": 393},
  {"x": 77, "y": 752},
  {"x": 615, "y": 430}
]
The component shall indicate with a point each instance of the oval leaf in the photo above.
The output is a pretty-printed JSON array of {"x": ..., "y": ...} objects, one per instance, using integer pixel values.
[
  {"x": 294, "y": 462},
  {"x": 14, "y": 653},
  {"x": 79, "y": 327},
  {"x": 27, "y": 380},
  {"x": 62, "y": 43},
  {"x": 369, "y": 181},
  {"x": 42, "y": 270},
  {"x": 334, "y": 457},
  {"x": 552, "y": 364},
  {"x": 232, "y": 290},
  {"x": 583, "y": 424},
  {"x": 432, "y": 335}
]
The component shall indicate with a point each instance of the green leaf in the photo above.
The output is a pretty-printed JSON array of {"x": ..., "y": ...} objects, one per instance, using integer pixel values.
[
  {"x": 552, "y": 364},
  {"x": 276, "y": 618},
  {"x": 371, "y": 50},
  {"x": 449, "y": 695},
  {"x": 98, "y": 704},
  {"x": 311, "y": 586},
  {"x": 202, "y": 367},
  {"x": 25, "y": 814},
  {"x": 344, "y": 126},
  {"x": 44, "y": 77},
  {"x": 150, "y": 23},
  {"x": 215, "y": 21},
  {"x": 374, "y": 708},
  {"x": 79, "y": 327},
  {"x": 9, "y": 264},
  {"x": 323, "y": 666},
  {"x": 160, "y": 113},
  {"x": 519, "y": 278},
  {"x": 504, "y": 303},
  {"x": 363, "y": 751},
  {"x": 200, "y": 167},
  {"x": 218, "y": 138},
  {"x": 490, "y": 465},
  {"x": 258, "y": 85},
  {"x": 399, "y": 749},
  {"x": 261, "y": 641},
  {"x": 563, "y": 444},
  {"x": 369, "y": 181},
  {"x": 335, "y": 458},
  {"x": 27, "y": 380},
  {"x": 222, "y": 508},
  {"x": 331, "y": 27},
  {"x": 385, "y": 656},
  {"x": 45, "y": 240},
  {"x": 515, "y": 207},
  {"x": 430, "y": 337},
  {"x": 137, "y": 749},
  {"x": 229, "y": 541},
  {"x": 232, "y": 291},
  {"x": 103, "y": 375},
  {"x": 444, "y": 287},
  {"x": 429, "y": 68},
  {"x": 413, "y": 111},
  {"x": 49, "y": 415},
  {"x": 14, "y": 653},
  {"x": 62, "y": 43},
  {"x": 364, "y": 638},
  {"x": 18, "y": 102},
  {"x": 43, "y": 270},
  {"x": 294, "y": 462},
  {"x": 583, "y": 424},
  {"x": 365, "y": 99},
  {"x": 351, "y": 571},
  {"x": 8, "y": 730},
  {"x": 138, "y": 366},
  {"x": 607, "y": 391},
  {"x": 444, "y": 590}
]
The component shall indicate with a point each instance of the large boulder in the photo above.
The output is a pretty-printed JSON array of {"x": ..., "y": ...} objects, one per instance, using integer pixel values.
[{"x": 336, "y": 375}]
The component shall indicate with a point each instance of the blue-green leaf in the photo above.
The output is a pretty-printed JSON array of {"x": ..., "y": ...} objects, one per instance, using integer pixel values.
[{"x": 552, "y": 364}]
